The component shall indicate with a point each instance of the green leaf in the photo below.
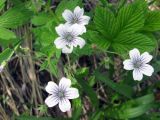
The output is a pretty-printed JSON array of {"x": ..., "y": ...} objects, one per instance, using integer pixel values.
[
  {"x": 15, "y": 17},
  {"x": 98, "y": 39},
  {"x": 130, "y": 19},
  {"x": 105, "y": 22},
  {"x": 124, "y": 43},
  {"x": 41, "y": 19},
  {"x": 6, "y": 55},
  {"x": 131, "y": 108},
  {"x": 120, "y": 88},
  {"x": 86, "y": 88},
  {"x": 2, "y": 4},
  {"x": 7, "y": 37},
  {"x": 152, "y": 22},
  {"x": 120, "y": 31}
]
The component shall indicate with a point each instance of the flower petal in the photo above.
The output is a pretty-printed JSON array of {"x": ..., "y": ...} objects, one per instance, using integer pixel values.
[
  {"x": 128, "y": 65},
  {"x": 61, "y": 29},
  {"x": 134, "y": 54},
  {"x": 85, "y": 20},
  {"x": 78, "y": 12},
  {"x": 60, "y": 43},
  {"x": 67, "y": 49},
  {"x": 137, "y": 75},
  {"x": 1, "y": 68},
  {"x": 146, "y": 57},
  {"x": 77, "y": 29},
  {"x": 79, "y": 41},
  {"x": 72, "y": 93},
  {"x": 147, "y": 69},
  {"x": 51, "y": 87},
  {"x": 51, "y": 101},
  {"x": 64, "y": 105},
  {"x": 64, "y": 82},
  {"x": 67, "y": 15}
]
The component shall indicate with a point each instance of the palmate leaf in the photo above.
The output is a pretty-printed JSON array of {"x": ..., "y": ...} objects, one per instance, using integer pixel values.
[
  {"x": 120, "y": 31},
  {"x": 105, "y": 22},
  {"x": 15, "y": 17},
  {"x": 130, "y": 19},
  {"x": 152, "y": 22}
]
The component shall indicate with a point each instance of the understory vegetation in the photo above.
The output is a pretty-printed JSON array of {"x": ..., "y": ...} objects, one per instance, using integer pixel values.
[{"x": 79, "y": 60}]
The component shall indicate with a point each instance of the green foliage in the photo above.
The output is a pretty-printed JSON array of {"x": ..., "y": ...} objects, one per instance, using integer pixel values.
[
  {"x": 15, "y": 17},
  {"x": 2, "y": 4},
  {"x": 121, "y": 31},
  {"x": 152, "y": 22},
  {"x": 120, "y": 88},
  {"x": 132, "y": 108},
  {"x": 81, "y": 73}
]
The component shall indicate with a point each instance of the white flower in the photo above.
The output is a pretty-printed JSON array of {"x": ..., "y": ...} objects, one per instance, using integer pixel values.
[
  {"x": 138, "y": 63},
  {"x": 60, "y": 94},
  {"x": 76, "y": 17},
  {"x": 69, "y": 37}
]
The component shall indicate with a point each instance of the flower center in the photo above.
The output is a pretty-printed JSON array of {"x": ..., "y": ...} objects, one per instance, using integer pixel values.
[
  {"x": 61, "y": 94},
  {"x": 75, "y": 20},
  {"x": 137, "y": 64},
  {"x": 69, "y": 37}
]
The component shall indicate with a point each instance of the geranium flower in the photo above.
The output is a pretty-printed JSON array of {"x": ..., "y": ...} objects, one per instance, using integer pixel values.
[
  {"x": 138, "y": 63},
  {"x": 60, "y": 94},
  {"x": 69, "y": 37},
  {"x": 76, "y": 17}
]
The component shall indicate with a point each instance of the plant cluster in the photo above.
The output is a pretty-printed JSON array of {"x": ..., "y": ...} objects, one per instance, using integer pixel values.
[{"x": 85, "y": 44}]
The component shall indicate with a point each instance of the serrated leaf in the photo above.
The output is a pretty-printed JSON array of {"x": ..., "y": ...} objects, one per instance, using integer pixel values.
[
  {"x": 124, "y": 43},
  {"x": 130, "y": 19},
  {"x": 105, "y": 22},
  {"x": 15, "y": 17},
  {"x": 152, "y": 22}
]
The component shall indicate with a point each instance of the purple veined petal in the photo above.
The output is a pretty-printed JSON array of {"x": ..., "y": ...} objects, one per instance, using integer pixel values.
[
  {"x": 77, "y": 30},
  {"x": 61, "y": 30},
  {"x": 134, "y": 54},
  {"x": 51, "y": 87},
  {"x": 60, "y": 43},
  {"x": 137, "y": 75},
  {"x": 147, "y": 70},
  {"x": 146, "y": 57},
  {"x": 78, "y": 12},
  {"x": 67, "y": 50},
  {"x": 84, "y": 20},
  {"x": 72, "y": 93},
  {"x": 64, "y": 83},
  {"x": 64, "y": 105},
  {"x": 51, "y": 101},
  {"x": 67, "y": 15},
  {"x": 79, "y": 42},
  {"x": 128, "y": 65}
]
